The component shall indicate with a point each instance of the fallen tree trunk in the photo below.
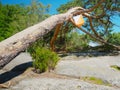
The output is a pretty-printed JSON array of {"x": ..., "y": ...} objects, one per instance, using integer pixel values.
[{"x": 12, "y": 46}]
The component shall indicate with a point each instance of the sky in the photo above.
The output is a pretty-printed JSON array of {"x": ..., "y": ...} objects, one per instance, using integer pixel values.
[{"x": 54, "y": 5}]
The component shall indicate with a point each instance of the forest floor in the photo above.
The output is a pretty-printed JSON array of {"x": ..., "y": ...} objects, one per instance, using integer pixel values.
[{"x": 74, "y": 71}]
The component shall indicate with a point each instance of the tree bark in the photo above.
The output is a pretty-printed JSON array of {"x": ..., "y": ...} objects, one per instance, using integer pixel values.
[
  {"x": 12, "y": 46},
  {"x": 17, "y": 43}
]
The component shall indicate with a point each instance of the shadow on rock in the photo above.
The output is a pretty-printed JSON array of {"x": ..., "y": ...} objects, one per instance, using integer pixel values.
[
  {"x": 90, "y": 54},
  {"x": 16, "y": 71}
]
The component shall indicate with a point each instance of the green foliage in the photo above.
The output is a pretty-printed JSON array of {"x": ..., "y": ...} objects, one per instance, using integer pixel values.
[
  {"x": 76, "y": 41},
  {"x": 107, "y": 10},
  {"x": 73, "y": 3},
  {"x": 95, "y": 80},
  {"x": 114, "y": 38},
  {"x": 72, "y": 41},
  {"x": 43, "y": 58},
  {"x": 103, "y": 25},
  {"x": 14, "y": 18},
  {"x": 6, "y": 17},
  {"x": 115, "y": 67}
]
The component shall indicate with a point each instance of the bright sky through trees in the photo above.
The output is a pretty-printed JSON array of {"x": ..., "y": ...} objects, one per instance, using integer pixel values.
[{"x": 54, "y": 5}]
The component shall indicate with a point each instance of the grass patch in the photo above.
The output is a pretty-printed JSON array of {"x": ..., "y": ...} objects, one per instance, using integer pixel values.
[
  {"x": 95, "y": 80},
  {"x": 115, "y": 67}
]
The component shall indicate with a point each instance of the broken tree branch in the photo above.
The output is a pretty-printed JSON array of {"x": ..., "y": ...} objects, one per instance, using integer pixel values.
[
  {"x": 96, "y": 37},
  {"x": 17, "y": 43}
]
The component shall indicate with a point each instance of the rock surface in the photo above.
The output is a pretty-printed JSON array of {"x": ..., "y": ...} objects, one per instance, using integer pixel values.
[
  {"x": 58, "y": 84},
  {"x": 99, "y": 67},
  {"x": 24, "y": 59},
  {"x": 66, "y": 76}
]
